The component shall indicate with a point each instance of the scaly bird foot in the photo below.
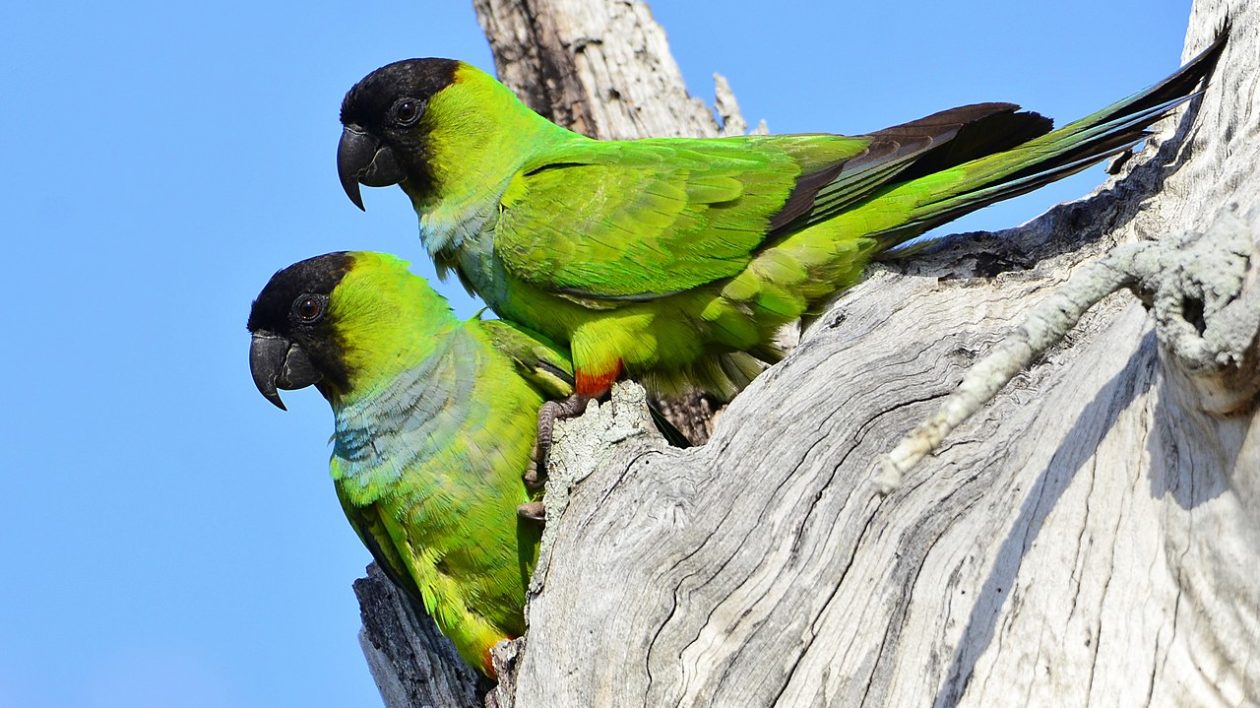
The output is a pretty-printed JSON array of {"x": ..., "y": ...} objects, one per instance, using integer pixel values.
[
  {"x": 533, "y": 480},
  {"x": 550, "y": 412}
]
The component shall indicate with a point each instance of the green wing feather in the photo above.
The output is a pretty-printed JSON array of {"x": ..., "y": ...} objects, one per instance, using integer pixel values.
[
  {"x": 638, "y": 220},
  {"x": 366, "y": 522},
  {"x": 642, "y": 219},
  {"x": 540, "y": 362},
  {"x": 547, "y": 368}
]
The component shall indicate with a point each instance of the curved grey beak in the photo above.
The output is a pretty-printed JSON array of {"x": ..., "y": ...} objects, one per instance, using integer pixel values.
[
  {"x": 275, "y": 362},
  {"x": 361, "y": 159}
]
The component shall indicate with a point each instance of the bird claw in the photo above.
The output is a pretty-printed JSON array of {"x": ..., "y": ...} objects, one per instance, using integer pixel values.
[
  {"x": 550, "y": 412},
  {"x": 532, "y": 511},
  {"x": 533, "y": 480}
]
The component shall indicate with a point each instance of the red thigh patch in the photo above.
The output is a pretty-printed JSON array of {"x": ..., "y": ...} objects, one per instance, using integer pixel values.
[{"x": 596, "y": 384}]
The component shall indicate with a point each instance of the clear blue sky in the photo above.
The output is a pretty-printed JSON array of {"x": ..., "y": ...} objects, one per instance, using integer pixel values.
[{"x": 171, "y": 539}]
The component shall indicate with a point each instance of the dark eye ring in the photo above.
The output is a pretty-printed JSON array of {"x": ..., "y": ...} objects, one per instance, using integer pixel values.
[
  {"x": 407, "y": 112},
  {"x": 309, "y": 308}
]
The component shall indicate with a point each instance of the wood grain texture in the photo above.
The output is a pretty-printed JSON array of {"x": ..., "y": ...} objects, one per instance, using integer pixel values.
[
  {"x": 602, "y": 68},
  {"x": 1092, "y": 537},
  {"x": 412, "y": 663}
]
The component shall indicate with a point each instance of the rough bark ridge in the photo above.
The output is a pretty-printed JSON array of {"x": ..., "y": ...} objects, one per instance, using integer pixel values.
[
  {"x": 413, "y": 664},
  {"x": 602, "y": 68},
  {"x": 1089, "y": 537}
]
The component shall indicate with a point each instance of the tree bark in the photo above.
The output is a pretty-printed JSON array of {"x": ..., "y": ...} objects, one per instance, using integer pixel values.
[
  {"x": 412, "y": 663},
  {"x": 1091, "y": 536},
  {"x": 601, "y": 68}
]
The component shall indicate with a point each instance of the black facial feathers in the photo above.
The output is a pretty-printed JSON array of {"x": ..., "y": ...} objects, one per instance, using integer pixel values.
[
  {"x": 367, "y": 103},
  {"x": 315, "y": 276},
  {"x": 278, "y": 314}
]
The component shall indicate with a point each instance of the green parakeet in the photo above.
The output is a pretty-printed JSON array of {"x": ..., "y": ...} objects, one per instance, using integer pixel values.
[
  {"x": 434, "y": 428},
  {"x": 676, "y": 260}
]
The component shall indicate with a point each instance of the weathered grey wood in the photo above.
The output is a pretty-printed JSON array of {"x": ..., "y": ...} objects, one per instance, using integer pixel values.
[
  {"x": 600, "y": 67},
  {"x": 1194, "y": 285},
  {"x": 1090, "y": 537},
  {"x": 412, "y": 663}
]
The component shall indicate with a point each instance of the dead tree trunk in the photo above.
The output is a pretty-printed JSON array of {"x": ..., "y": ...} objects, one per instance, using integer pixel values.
[{"x": 1093, "y": 535}]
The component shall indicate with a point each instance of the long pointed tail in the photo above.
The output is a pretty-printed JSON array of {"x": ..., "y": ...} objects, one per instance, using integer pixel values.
[
  {"x": 810, "y": 265},
  {"x": 937, "y": 198}
]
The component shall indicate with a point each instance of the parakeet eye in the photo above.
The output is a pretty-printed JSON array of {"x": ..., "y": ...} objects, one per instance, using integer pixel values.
[
  {"x": 308, "y": 308},
  {"x": 407, "y": 111}
]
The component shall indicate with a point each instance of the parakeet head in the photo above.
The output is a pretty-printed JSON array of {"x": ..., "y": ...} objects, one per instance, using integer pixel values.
[
  {"x": 341, "y": 322},
  {"x": 294, "y": 343},
  {"x": 385, "y": 124}
]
